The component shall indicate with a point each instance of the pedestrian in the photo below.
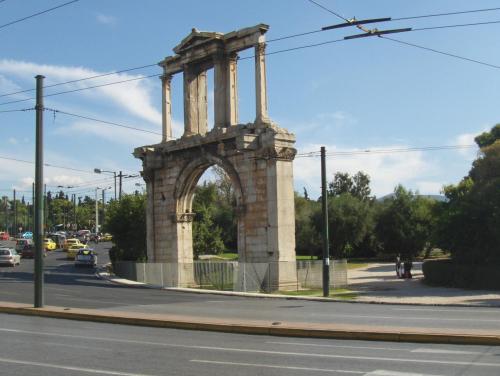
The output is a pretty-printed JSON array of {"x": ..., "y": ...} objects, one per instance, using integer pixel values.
[{"x": 398, "y": 266}]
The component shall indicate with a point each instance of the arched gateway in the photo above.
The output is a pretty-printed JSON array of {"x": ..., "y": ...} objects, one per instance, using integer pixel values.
[{"x": 257, "y": 157}]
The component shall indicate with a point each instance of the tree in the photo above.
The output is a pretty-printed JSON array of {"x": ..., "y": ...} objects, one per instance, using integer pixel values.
[
  {"x": 488, "y": 138},
  {"x": 469, "y": 222},
  {"x": 307, "y": 238},
  {"x": 404, "y": 223},
  {"x": 126, "y": 221},
  {"x": 358, "y": 185},
  {"x": 350, "y": 220}
]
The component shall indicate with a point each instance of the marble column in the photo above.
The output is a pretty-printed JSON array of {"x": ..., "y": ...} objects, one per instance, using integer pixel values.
[
  {"x": 262, "y": 115},
  {"x": 195, "y": 102},
  {"x": 225, "y": 90},
  {"x": 166, "y": 108},
  {"x": 232, "y": 90}
]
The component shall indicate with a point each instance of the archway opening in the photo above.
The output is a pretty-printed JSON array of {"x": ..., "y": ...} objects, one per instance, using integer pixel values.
[{"x": 215, "y": 224}]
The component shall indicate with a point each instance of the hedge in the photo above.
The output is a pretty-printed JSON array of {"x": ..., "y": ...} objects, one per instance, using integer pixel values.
[{"x": 451, "y": 274}]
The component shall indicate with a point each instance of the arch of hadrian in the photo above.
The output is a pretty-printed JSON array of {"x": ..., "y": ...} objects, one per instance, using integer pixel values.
[{"x": 256, "y": 156}]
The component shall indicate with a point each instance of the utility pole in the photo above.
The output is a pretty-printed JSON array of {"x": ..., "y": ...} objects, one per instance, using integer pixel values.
[
  {"x": 324, "y": 204},
  {"x": 14, "y": 227},
  {"x": 96, "y": 212},
  {"x": 45, "y": 210},
  {"x": 38, "y": 233},
  {"x": 103, "y": 205},
  {"x": 73, "y": 196},
  {"x": 32, "y": 211},
  {"x": 120, "y": 190}
]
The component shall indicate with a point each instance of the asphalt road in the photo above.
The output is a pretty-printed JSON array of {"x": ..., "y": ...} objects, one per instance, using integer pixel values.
[
  {"x": 43, "y": 346},
  {"x": 68, "y": 286}
]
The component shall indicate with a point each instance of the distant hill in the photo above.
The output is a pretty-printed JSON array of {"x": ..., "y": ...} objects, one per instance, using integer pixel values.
[{"x": 439, "y": 198}]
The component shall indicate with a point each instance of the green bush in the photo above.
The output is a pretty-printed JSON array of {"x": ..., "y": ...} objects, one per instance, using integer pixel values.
[{"x": 451, "y": 274}]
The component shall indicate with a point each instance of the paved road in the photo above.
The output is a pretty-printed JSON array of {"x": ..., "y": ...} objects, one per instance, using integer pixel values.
[
  {"x": 42, "y": 346},
  {"x": 68, "y": 286}
]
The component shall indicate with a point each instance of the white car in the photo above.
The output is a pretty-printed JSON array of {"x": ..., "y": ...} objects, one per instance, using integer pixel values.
[{"x": 9, "y": 256}]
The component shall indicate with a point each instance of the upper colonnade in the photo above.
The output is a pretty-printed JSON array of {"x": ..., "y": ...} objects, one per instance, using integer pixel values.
[{"x": 201, "y": 51}]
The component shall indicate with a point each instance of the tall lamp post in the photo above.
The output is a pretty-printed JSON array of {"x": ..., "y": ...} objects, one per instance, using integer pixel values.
[{"x": 99, "y": 171}]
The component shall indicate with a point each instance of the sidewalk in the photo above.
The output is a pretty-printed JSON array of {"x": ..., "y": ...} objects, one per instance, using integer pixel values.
[{"x": 377, "y": 283}]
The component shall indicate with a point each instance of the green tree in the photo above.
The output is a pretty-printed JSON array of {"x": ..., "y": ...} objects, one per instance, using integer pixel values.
[
  {"x": 357, "y": 185},
  {"x": 126, "y": 221},
  {"x": 488, "y": 138},
  {"x": 307, "y": 238},
  {"x": 350, "y": 221},
  {"x": 404, "y": 223},
  {"x": 469, "y": 222}
]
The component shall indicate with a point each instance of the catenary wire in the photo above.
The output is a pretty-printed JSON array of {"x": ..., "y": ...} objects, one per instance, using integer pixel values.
[
  {"x": 37, "y": 14},
  {"x": 46, "y": 164},
  {"x": 102, "y": 121}
]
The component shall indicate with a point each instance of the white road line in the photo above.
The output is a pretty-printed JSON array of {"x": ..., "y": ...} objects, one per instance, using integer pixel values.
[
  {"x": 382, "y": 372},
  {"x": 70, "y": 368},
  {"x": 336, "y": 346},
  {"x": 443, "y": 351},
  {"x": 471, "y": 310},
  {"x": 260, "y": 365},
  {"x": 252, "y": 351},
  {"x": 405, "y": 318},
  {"x": 75, "y": 346}
]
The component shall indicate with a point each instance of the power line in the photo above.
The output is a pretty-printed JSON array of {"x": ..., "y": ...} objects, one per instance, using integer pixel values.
[
  {"x": 102, "y": 121},
  {"x": 441, "y": 52},
  {"x": 38, "y": 13},
  {"x": 18, "y": 110},
  {"x": 328, "y": 10},
  {"x": 84, "y": 88},
  {"x": 46, "y": 164},
  {"x": 82, "y": 79},
  {"x": 445, "y": 14}
]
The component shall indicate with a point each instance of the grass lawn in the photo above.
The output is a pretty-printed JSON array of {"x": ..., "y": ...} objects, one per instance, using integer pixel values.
[
  {"x": 334, "y": 293},
  {"x": 357, "y": 265}
]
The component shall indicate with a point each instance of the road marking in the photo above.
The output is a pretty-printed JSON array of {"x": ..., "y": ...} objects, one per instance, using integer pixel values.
[
  {"x": 250, "y": 351},
  {"x": 442, "y": 351},
  {"x": 405, "y": 318},
  {"x": 382, "y": 372},
  {"x": 472, "y": 309},
  {"x": 275, "y": 366},
  {"x": 336, "y": 346},
  {"x": 76, "y": 346},
  {"x": 70, "y": 368}
]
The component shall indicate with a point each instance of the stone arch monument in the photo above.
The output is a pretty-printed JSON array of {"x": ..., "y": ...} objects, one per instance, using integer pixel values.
[{"x": 256, "y": 156}]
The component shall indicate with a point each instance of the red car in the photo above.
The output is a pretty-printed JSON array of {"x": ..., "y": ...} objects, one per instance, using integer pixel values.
[{"x": 4, "y": 235}]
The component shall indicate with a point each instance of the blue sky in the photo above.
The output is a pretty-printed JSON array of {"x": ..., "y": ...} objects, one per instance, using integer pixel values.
[{"x": 353, "y": 95}]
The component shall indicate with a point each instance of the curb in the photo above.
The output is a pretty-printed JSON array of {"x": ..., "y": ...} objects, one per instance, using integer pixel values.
[
  {"x": 125, "y": 282},
  {"x": 255, "y": 328}
]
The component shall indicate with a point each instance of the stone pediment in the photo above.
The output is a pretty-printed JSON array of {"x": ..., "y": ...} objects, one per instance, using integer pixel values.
[{"x": 196, "y": 38}]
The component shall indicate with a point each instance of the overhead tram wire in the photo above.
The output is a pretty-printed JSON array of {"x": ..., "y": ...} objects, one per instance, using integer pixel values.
[
  {"x": 102, "y": 121},
  {"x": 17, "y": 110},
  {"x": 37, "y": 14},
  {"x": 46, "y": 164},
  {"x": 82, "y": 79}
]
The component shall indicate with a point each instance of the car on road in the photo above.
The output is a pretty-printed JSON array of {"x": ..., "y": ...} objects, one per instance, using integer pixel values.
[
  {"x": 4, "y": 235},
  {"x": 22, "y": 244},
  {"x": 107, "y": 237},
  {"x": 9, "y": 256},
  {"x": 70, "y": 242},
  {"x": 86, "y": 257},
  {"x": 73, "y": 250},
  {"x": 27, "y": 235},
  {"x": 49, "y": 244},
  {"x": 30, "y": 253}
]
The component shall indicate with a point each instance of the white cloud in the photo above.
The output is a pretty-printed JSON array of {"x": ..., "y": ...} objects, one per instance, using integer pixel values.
[
  {"x": 105, "y": 20},
  {"x": 133, "y": 97},
  {"x": 13, "y": 140},
  {"x": 385, "y": 170}
]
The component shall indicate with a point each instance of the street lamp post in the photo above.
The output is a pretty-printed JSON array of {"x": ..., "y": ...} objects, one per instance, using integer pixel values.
[{"x": 99, "y": 171}]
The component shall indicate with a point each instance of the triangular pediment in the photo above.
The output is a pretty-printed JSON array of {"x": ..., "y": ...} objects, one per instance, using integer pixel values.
[{"x": 196, "y": 38}]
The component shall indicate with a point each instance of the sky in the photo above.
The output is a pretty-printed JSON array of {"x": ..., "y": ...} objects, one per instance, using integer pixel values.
[{"x": 354, "y": 95}]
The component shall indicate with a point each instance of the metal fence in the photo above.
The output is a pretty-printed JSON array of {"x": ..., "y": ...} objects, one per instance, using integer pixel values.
[{"x": 235, "y": 276}]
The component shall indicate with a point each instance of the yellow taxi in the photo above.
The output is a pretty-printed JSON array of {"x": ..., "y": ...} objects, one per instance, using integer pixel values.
[
  {"x": 70, "y": 242},
  {"x": 49, "y": 244},
  {"x": 73, "y": 250},
  {"x": 107, "y": 237}
]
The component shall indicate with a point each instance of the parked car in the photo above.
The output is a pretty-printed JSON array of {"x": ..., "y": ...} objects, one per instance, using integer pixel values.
[
  {"x": 86, "y": 257},
  {"x": 9, "y": 256},
  {"x": 22, "y": 244},
  {"x": 4, "y": 235},
  {"x": 70, "y": 242},
  {"x": 27, "y": 235},
  {"x": 107, "y": 237},
  {"x": 49, "y": 244}
]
